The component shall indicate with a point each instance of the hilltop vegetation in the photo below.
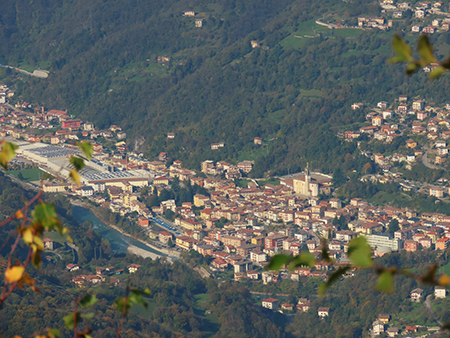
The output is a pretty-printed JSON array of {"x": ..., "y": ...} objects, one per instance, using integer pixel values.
[{"x": 103, "y": 62}]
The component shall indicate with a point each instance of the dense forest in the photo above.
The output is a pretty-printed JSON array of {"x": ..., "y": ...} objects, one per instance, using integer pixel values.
[{"x": 102, "y": 58}]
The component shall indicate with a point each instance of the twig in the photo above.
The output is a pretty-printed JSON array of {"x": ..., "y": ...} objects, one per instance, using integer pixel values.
[{"x": 124, "y": 309}]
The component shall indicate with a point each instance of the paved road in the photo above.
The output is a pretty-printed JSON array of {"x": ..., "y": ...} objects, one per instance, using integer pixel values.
[{"x": 427, "y": 163}]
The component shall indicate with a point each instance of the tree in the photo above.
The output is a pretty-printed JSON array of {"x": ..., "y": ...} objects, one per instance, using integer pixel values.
[
  {"x": 393, "y": 226},
  {"x": 169, "y": 215},
  {"x": 338, "y": 177},
  {"x": 20, "y": 176},
  {"x": 170, "y": 243}
]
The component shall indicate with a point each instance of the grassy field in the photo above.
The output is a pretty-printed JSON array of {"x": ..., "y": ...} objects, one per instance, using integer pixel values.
[
  {"x": 413, "y": 317},
  {"x": 445, "y": 269},
  {"x": 243, "y": 183},
  {"x": 311, "y": 92},
  {"x": 210, "y": 322},
  {"x": 273, "y": 182},
  {"x": 56, "y": 236},
  {"x": 29, "y": 175},
  {"x": 347, "y": 32}
]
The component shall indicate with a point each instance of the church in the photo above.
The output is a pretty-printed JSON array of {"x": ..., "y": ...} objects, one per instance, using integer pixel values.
[{"x": 312, "y": 185}]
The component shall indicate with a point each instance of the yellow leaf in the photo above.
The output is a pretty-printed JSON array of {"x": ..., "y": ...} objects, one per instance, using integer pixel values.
[
  {"x": 19, "y": 214},
  {"x": 444, "y": 280},
  {"x": 74, "y": 176},
  {"x": 28, "y": 235},
  {"x": 39, "y": 242},
  {"x": 14, "y": 273}
]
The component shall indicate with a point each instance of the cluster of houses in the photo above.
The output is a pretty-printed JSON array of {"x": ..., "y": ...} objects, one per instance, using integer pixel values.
[
  {"x": 428, "y": 17},
  {"x": 191, "y": 14},
  {"x": 17, "y": 123},
  {"x": 100, "y": 276},
  {"x": 303, "y": 305},
  {"x": 381, "y": 326},
  {"x": 243, "y": 243},
  {"x": 230, "y": 171},
  {"x": 5, "y": 93},
  {"x": 422, "y": 124}
]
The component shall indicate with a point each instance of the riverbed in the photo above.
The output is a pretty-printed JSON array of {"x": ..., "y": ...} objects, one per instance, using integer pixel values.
[{"x": 120, "y": 242}]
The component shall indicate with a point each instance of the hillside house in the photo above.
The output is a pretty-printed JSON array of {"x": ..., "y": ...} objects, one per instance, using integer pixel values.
[
  {"x": 416, "y": 295},
  {"x": 323, "y": 312},
  {"x": 440, "y": 292},
  {"x": 132, "y": 268},
  {"x": 270, "y": 303},
  {"x": 442, "y": 243}
]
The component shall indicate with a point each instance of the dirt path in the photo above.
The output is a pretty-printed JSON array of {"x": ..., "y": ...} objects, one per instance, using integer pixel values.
[{"x": 36, "y": 73}]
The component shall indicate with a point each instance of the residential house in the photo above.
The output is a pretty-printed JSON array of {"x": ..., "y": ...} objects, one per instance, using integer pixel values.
[
  {"x": 270, "y": 303},
  {"x": 440, "y": 292},
  {"x": 442, "y": 243},
  {"x": 132, "y": 268},
  {"x": 323, "y": 312},
  {"x": 416, "y": 295},
  {"x": 437, "y": 192},
  {"x": 72, "y": 267},
  {"x": 392, "y": 331},
  {"x": 416, "y": 28}
]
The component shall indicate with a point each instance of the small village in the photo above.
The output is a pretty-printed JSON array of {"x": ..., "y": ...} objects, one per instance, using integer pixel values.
[
  {"x": 414, "y": 17},
  {"x": 239, "y": 228},
  {"x": 424, "y": 131}
]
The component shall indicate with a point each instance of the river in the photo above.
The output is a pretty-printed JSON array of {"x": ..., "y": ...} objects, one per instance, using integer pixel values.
[{"x": 119, "y": 242}]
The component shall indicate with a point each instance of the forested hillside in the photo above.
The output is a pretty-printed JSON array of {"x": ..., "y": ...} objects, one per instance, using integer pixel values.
[{"x": 296, "y": 94}]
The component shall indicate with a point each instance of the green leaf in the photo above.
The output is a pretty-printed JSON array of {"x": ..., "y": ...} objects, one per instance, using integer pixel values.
[
  {"x": 325, "y": 256},
  {"x": 86, "y": 148},
  {"x": 335, "y": 276},
  {"x": 77, "y": 162},
  {"x": 437, "y": 72},
  {"x": 360, "y": 252},
  {"x": 46, "y": 215},
  {"x": 137, "y": 298},
  {"x": 120, "y": 305},
  {"x": 425, "y": 50},
  {"x": 385, "y": 282},
  {"x": 71, "y": 321},
  {"x": 7, "y": 153},
  {"x": 54, "y": 333},
  {"x": 145, "y": 292},
  {"x": 36, "y": 259},
  {"x": 88, "y": 300},
  {"x": 277, "y": 261},
  {"x": 303, "y": 259},
  {"x": 411, "y": 68},
  {"x": 88, "y": 316},
  {"x": 402, "y": 49}
]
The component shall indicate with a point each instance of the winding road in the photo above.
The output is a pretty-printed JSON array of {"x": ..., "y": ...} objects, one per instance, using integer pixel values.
[{"x": 425, "y": 161}]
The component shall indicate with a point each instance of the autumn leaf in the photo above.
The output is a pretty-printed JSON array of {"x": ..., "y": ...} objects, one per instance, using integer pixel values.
[
  {"x": 14, "y": 273},
  {"x": 19, "y": 214},
  {"x": 75, "y": 176},
  {"x": 444, "y": 280}
]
